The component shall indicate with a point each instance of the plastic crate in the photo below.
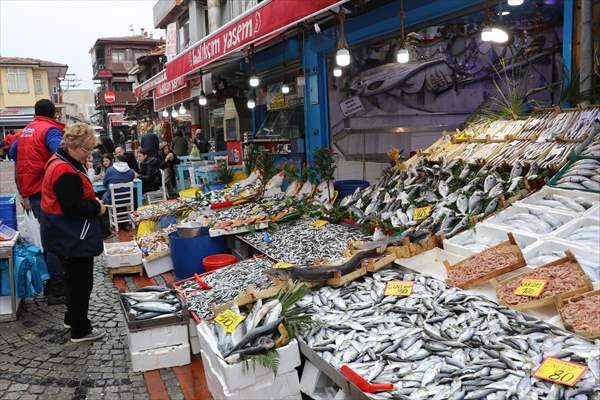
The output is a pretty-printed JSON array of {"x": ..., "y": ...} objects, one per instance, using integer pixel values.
[{"x": 8, "y": 210}]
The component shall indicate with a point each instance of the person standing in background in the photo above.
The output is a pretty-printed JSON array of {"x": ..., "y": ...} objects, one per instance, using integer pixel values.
[
  {"x": 150, "y": 142},
  {"x": 180, "y": 144},
  {"x": 31, "y": 151}
]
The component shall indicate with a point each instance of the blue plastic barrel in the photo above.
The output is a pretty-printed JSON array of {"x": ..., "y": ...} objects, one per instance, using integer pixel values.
[
  {"x": 213, "y": 186},
  {"x": 8, "y": 210},
  {"x": 187, "y": 253},
  {"x": 346, "y": 188}
]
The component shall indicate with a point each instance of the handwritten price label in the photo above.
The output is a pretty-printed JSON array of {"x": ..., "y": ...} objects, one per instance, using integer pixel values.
[
  {"x": 320, "y": 223},
  {"x": 399, "y": 288},
  {"x": 421, "y": 213},
  {"x": 229, "y": 320},
  {"x": 282, "y": 265},
  {"x": 559, "y": 371},
  {"x": 531, "y": 287}
]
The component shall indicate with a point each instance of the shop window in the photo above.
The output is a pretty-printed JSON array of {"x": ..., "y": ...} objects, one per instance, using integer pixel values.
[
  {"x": 119, "y": 56},
  {"x": 184, "y": 32},
  {"x": 37, "y": 84},
  {"x": 17, "y": 80},
  {"x": 121, "y": 87}
]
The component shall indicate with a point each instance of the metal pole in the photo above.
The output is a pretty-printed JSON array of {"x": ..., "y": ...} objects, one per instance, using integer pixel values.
[{"x": 586, "y": 64}]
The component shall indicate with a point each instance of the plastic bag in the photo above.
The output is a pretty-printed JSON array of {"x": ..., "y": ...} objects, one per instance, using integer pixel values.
[{"x": 29, "y": 230}]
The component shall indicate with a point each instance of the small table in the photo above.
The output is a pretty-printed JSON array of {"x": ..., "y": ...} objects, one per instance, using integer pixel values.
[
  {"x": 99, "y": 187},
  {"x": 6, "y": 251}
]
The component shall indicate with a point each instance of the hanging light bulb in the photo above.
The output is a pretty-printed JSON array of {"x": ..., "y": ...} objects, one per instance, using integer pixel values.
[
  {"x": 251, "y": 103},
  {"x": 202, "y": 99},
  {"x": 174, "y": 113},
  {"x": 182, "y": 109},
  {"x": 285, "y": 89},
  {"x": 254, "y": 81},
  {"x": 486, "y": 34},
  {"x": 403, "y": 56},
  {"x": 499, "y": 35},
  {"x": 165, "y": 113},
  {"x": 515, "y": 3},
  {"x": 337, "y": 72},
  {"x": 342, "y": 57}
]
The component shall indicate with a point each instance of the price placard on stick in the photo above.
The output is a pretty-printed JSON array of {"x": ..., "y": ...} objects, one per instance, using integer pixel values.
[
  {"x": 421, "y": 213},
  {"x": 399, "y": 288},
  {"x": 531, "y": 287},
  {"x": 229, "y": 320},
  {"x": 282, "y": 265},
  {"x": 320, "y": 223},
  {"x": 559, "y": 371}
]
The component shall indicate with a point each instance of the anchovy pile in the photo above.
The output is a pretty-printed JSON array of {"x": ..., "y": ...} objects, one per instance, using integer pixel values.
[
  {"x": 583, "y": 175},
  {"x": 299, "y": 242},
  {"x": 226, "y": 283},
  {"x": 442, "y": 343},
  {"x": 157, "y": 210},
  {"x": 150, "y": 302}
]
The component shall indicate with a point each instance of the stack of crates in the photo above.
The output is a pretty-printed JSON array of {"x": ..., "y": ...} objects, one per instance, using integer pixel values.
[{"x": 8, "y": 210}]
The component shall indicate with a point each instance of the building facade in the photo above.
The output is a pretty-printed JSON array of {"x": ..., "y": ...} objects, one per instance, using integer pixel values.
[
  {"x": 79, "y": 104},
  {"x": 23, "y": 81}
]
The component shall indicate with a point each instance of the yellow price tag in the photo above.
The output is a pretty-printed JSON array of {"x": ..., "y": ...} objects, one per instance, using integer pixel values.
[
  {"x": 320, "y": 223},
  {"x": 399, "y": 288},
  {"x": 559, "y": 371},
  {"x": 282, "y": 265},
  {"x": 421, "y": 213},
  {"x": 229, "y": 320},
  {"x": 267, "y": 204},
  {"x": 531, "y": 287}
]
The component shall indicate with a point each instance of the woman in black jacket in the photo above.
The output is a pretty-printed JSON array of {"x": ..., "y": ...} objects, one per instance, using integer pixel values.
[
  {"x": 71, "y": 227},
  {"x": 149, "y": 172},
  {"x": 168, "y": 162}
]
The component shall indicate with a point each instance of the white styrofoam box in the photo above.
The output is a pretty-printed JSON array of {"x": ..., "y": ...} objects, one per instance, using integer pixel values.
[
  {"x": 529, "y": 201},
  {"x": 164, "y": 357},
  {"x": 316, "y": 384},
  {"x": 430, "y": 262},
  {"x": 497, "y": 220},
  {"x": 496, "y": 234},
  {"x": 233, "y": 376},
  {"x": 161, "y": 336},
  {"x": 588, "y": 259},
  {"x": 593, "y": 212},
  {"x": 282, "y": 387},
  {"x": 5, "y": 306},
  {"x": 574, "y": 225},
  {"x": 122, "y": 260},
  {"x": 158, "y": 266},
  {"x": 193, "y": 332}
]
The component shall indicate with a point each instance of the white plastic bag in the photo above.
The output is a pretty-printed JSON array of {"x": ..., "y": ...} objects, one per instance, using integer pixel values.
[{"x": 29, "y": 230}]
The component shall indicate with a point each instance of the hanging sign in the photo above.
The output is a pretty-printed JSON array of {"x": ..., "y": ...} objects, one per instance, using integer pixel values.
[
  {"x": 399, "y": 288},
  {"x": 421, "y": 213},
  {"x": 229, "y": 320},
  {"x": 559, "y": 371},
  {"x": 110, "y": 97},
  {"x": 351, "y": 106},
  {"x": 531, "y": 287},
  {"x": 171, "y": 45}
]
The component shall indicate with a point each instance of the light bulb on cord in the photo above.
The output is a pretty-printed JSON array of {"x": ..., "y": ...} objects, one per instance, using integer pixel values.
[
  {"x": 174, "y": 113},
  {"x": 182, "y": 109},
  {"x": 486, "y": 34},
  {"x": 202, "y": 99},
  {"x": 403, "y": 56},
  {"x": 337, "y": 72},
  {"x": 254, "y": 81},
  {"x": 165, "y": 113},
  {"x": 499, "y": 35},
  {"x": 251, "y": 103},
  {"x": 515, "y": 3},
  {"x": 342, "y": 57},
  {"x": 285, "y": 89}
]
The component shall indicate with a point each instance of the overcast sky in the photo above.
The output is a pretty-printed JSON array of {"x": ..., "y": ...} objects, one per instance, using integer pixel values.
[{"x": 64, "y": 31}]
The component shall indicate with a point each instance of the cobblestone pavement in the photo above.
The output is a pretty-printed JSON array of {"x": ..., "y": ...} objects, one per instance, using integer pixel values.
[{"x": 38, "y": 361}]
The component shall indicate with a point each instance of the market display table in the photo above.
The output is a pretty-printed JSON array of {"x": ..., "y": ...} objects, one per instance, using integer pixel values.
[
  {"x": 6, "y": 252},
  {"x": 137, "y": 183}
]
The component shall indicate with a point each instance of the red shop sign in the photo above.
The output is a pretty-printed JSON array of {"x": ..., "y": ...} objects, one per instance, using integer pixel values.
[
  {"x": 110, "y": 97},
  {"x": 266, "y": 18},
  {"x": 168, "y": 87}
]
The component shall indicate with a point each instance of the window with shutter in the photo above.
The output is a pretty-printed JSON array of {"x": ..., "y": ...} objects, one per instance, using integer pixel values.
[{"x": 17, "y": 80}]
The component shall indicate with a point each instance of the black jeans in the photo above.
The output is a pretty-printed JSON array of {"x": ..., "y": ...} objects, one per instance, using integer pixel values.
[
  {"x": 79, "y": 277},
  {"x": 55, "y": 269}
]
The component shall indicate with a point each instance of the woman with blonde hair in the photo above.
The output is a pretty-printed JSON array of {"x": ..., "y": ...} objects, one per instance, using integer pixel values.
[{"x": 71, "y": 226}]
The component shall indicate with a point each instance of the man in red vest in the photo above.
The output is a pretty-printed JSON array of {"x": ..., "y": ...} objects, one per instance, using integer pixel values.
[{"x": 39, "y": 140}]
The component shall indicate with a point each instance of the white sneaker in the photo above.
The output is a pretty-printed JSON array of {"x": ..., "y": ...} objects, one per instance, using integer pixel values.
[
  {"x": 67, "y": 326},
  {"x": 95, "y": 334}
]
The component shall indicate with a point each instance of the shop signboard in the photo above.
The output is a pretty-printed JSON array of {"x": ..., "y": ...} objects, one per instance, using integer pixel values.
[
  {"x": 171, "y": 45},
  {"x": 150, "y": 84},
  {"x": 168, "y": 87},
  {"x": 263, "y": 20},
  {"x": 351, "y": 106},
  {"x": 110, "y": 97}
]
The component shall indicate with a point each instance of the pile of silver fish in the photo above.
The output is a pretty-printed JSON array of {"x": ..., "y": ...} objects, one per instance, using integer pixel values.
[
  {"x": 583, "y": 174},
  {"x": 530, "y": 220},
  {"x": 583, "y": 125},
  {"x": 151, "y": 302},
  {"x": 561, "y": 202},
  {"x": 251, "y": 336},
  {"x": 442, "y": 342},
  {"x": 158, "y": 210},
  {"x": 301, "y": 243},
  {"x": 226, "y": 283},
  {"x": 456, "y": 191},
  {"x": 203, "y": 200},
  {"x": 593, "y": 148}
]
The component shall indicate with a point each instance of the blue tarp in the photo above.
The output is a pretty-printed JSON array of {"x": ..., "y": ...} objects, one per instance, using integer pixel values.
[{"x": 30, "y": 271}]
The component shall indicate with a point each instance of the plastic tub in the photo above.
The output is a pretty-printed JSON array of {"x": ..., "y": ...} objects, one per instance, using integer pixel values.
[
  {"x": 8, "y": 211},
  {"x": 217, "y": 261},
  {"x": 347, "y": 187},
  {"x": 187, "y": 253}
]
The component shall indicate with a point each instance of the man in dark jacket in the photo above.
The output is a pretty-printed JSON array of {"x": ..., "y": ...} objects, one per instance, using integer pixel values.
[
  {"x": 180, "y": 144},
  {"x": 150, "y": 142},
  {"x": 149, "y": 172},
  {"x": 119, "y": 172}
]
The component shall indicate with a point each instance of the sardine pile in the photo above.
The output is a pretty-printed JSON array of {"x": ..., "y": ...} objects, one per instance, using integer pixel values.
[
  {"x": 158, "y": 210},
  {"x": 442, "y": 343},
  {"x": 226, "y": 283},
  {"x": 530, "y": 220},
  {"x": 562, "y": 278},
  {"x": 203, "y": 200},
  {"x": 583, "y": 175},
  {"x": 299, "y": 242},
  {"x": 581, "y": 313}
]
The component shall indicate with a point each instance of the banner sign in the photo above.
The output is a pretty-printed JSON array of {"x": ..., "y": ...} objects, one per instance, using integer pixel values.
[
  {"x": 266, "y": 18},
  {"x": 150, "y": 84},
  {"x": 171, "y": 45},
  {"x": 168, "y": 87}
]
